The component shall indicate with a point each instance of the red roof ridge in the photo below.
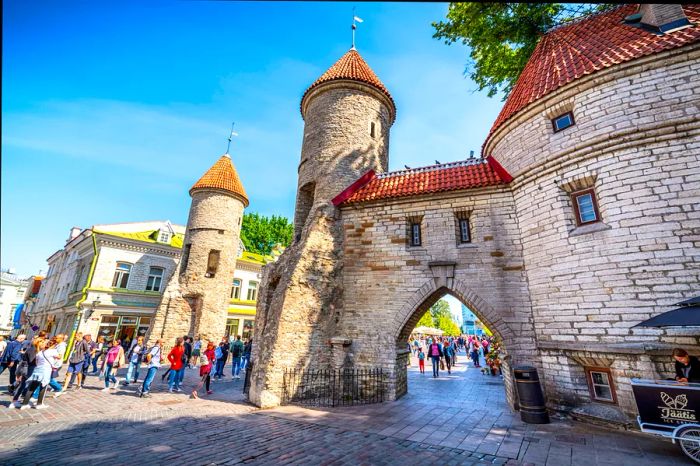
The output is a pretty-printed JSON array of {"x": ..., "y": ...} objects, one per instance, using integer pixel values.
[
  {"x": 222, "y": 176},
  {"x": 351, "y": 66},
  {"x": 429, "y": 168},
  {"x": 585, "y": 46}
]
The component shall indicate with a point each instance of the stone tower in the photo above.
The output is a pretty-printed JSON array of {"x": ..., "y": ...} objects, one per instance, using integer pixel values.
[
  {"x": 194, "y": 303},
  {"x": 347, "y": 117}
]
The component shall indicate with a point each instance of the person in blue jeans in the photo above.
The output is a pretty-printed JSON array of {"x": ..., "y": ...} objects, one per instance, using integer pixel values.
[
  {"x": 153, "y": 358},
  {"x": 114, "y": 359},
  {"x": 134, "y": 357},
  {"x": 236, "y": 357},
  {"x": 435, "y": 353},
  {"x": 222, "y": 351}
]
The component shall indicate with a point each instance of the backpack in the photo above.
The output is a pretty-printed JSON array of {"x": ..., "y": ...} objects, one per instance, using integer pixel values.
[
  {"x": 146, "y": 356},
  {"x": 203, "y": 359},
  {"x": 218, "y": 353},
  {"x": 236, "y": 350}
]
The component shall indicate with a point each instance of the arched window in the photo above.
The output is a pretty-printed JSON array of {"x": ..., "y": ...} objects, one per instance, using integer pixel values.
[{"x": 121, "y": 275}]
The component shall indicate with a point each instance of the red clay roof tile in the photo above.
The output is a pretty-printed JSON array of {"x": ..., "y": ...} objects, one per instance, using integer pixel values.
[
  {"x": 427, "y": 180},
  {"x": 222, "y": 175},
  {"x": 353, "y": 67},
  {"x": 584, "y": 47}
]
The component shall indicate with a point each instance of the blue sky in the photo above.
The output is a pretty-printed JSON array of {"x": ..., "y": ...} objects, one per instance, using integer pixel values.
[{"x": 112, "y": 110}]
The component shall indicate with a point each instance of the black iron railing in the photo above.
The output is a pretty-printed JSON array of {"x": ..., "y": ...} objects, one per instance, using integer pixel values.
[{"x": 343, "y": 387}]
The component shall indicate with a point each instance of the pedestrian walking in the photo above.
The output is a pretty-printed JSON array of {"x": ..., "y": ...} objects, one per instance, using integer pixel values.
[
  {"x": 76, "y": 362},
  {"x": 98, "y": 351},
  {"x": 435, "y": 352},
  {"x": 60, "y": 347},
  {"x": 153, "y": 358},
  {"x": 421, "y": 361},
  {"x": 247, "y": 350},
  {"x": 196, "y": 348},
  {"x": 11, "y": 358},
  {"x": 134, "y": 360},
  {"x": 188, "y": 351},
  {"x": 448, "y": 353},
  {"x": 236, "y": 357},
  {"x": 113, "y": 361},
  {"x": 45, "y": 359},
  {"x": 206, "y": 361},
  {"x": 221, "y": 357},
  {"x": 176, "y": 364}
]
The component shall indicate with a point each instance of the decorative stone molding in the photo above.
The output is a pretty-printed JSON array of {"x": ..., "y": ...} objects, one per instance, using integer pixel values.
[{"x": 578, "y": 183}]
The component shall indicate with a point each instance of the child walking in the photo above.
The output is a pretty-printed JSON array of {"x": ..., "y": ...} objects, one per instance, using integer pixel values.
[{"x": 421, "y": 361}]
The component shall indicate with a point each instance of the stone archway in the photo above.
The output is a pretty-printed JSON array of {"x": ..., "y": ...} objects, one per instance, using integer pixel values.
[{"x": 442, "y": 283}]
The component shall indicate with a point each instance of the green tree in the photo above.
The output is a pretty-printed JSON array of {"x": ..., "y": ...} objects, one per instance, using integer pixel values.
[
  {"x": 426, "y": 320},
  {"x": 440, "y": 317},
  {"x": 260, "y": 233},
  {"x": 502, "y": 36}
]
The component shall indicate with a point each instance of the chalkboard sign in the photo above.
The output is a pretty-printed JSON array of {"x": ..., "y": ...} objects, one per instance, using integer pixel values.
[{"x": 668, "y": 404}]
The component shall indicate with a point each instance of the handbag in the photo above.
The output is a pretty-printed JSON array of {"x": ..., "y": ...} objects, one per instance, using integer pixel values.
[{"x": 442, "y": 365}]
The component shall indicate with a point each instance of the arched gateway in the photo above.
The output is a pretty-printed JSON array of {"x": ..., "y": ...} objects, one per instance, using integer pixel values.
[{"x": 591, "y": 234}]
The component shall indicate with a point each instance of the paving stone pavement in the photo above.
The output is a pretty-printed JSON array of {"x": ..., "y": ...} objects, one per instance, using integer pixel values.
[{"x": 457, "y": 419}]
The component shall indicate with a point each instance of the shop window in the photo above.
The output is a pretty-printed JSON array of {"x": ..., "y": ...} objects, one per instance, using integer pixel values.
[
  {"x": 121, "y": 275},
  {"x": 585, "y": 207},
  {"x": 600, "y": 384},
  {"x": 155, "y": 279},
  {"x": 563, "y": 121},
  {"x": 232, "y": 328},
  {"x": 236, "y": 289},
  {"x": 252, "y": 291},
  {"x": 213, "y": 263},
  {"x": 108, "y": 327},
  {"x": 248, "y": 326}
]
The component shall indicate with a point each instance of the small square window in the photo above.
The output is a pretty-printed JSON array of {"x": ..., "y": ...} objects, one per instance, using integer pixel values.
[
  {"x": 585, "y": 207},
  {"x": 563, "y": 121},
  {"x": 163, "y": 236},
  {"x": 212, "y": 263},
  {"x": 600, "y": 385}
]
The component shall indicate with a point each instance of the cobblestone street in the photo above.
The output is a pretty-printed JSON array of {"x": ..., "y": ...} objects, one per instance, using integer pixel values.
[{"x": 457, "y": 419}]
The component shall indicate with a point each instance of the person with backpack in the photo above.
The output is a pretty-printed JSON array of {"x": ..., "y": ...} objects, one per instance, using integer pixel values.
[
  {"x": 153, "y": 357},
  {"x": 435, "y": 353},
  {"x": 185, "y": 359},
  {"x": 221, "y": 357},
  {"x": 134, "y": 359},
  {"x": 98, "y": 351},
  {"x": 40, "y": 377},
  {"x": 421, "y": 360},
  {"x": 448, "y": 352},
  {"x": 206, "y": 362},
  {"x": 196, "y": 348},
  {"x": 188, "y": 351},
  {"x": 11, "y": 358},
  {"x": 175, "y": 357},
  {"x": 236, "y": 357}
]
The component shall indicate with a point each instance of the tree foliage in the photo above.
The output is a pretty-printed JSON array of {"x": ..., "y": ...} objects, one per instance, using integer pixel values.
[
  {"x": 260, "y": 233},
  {"x": 502, "y": 36},
  {"x": 440, "y": 317}
]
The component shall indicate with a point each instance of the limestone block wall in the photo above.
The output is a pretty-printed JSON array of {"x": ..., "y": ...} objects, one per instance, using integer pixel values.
[
  {"x": 338, "y": 145},
  {"x": 636, "y": 141},
  {"x": 194, "y": 303},
  {"x": 299, "y": 304},
  {"x": 388, "y": 285}
]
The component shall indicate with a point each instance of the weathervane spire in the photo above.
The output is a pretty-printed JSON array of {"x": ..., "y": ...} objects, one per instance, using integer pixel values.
[
  {"x": 355, "y": 19},
  {"x": 230, "y": 136}
]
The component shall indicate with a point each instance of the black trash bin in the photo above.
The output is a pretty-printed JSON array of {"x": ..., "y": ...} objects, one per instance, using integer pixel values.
[{"x": 532, "y": 408}]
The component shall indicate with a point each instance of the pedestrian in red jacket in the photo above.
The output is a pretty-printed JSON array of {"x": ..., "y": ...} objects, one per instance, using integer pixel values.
[{"x": 177, "y": 365}]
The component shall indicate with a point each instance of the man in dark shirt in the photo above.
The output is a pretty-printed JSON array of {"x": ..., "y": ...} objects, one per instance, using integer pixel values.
[
  {"x": 12, "y": 356},
  {"x": 188, "y": 349},
  {"x": 687, "y": 367}
]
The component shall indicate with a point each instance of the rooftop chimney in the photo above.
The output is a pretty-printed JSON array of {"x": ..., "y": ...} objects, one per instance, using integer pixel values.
[
  {"x": 74, "y": 232},
  {"x": 662, "y": 17}
]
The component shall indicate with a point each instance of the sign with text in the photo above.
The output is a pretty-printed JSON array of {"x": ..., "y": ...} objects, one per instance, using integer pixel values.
[{"x": 670, "y": 404}]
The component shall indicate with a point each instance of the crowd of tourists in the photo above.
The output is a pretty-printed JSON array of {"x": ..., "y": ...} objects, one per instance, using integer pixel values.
[
  {"x": 35, "y": 364},
  {"x": 442, "y": 351}
]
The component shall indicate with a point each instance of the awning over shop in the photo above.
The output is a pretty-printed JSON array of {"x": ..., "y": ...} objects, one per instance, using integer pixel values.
[
  {"x": 686, "y": 316},
  {"x": 17, "y": 318},
  {"x": 428, "y": 331}
]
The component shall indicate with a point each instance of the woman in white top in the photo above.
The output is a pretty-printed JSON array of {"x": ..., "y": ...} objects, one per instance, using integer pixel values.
[{"x": 45, "y": 361}]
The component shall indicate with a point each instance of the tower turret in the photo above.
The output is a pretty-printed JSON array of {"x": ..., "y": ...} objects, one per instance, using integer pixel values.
[
  {"x": 347, "y": 116},
  {"x": 195, "y": 301}
]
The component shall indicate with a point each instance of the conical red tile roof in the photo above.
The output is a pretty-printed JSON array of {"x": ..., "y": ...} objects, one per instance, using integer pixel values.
[
  {"x": 353, "y": 67},
  {"x": 584, "y": 47},
  {"x": 222, "y": 175}
]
